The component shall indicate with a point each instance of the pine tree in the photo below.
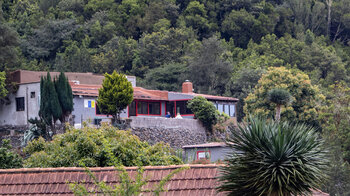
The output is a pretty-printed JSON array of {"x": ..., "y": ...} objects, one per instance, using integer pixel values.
[
  {"x": 65, "y": 96},
  {"x": 115, "y": 95}
]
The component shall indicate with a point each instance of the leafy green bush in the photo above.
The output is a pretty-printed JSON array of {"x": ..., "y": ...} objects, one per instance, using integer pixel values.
[
  {"x": 270, "y": 158},
  {"x": 9, "y": 159},
  {"x": 89, "y": 147},
  {"x": 204, "y": 110}
]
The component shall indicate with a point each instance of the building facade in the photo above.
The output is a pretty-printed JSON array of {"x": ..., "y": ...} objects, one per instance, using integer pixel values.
[{"x": 25, "y": 103}]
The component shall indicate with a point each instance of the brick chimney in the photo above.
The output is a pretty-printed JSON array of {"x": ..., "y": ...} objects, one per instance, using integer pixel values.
[{"x": 187, "y": 87}]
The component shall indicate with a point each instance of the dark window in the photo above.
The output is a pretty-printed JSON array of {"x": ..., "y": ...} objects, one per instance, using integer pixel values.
[
  {"x": 181, "y": 107},
  {"x": 32, "y": 94},
  {"x": 20, "y": 104},
  {"x": 97, "y": 121},
  {"x": 154, "y": 108},
  {"x": 148, "y": 108},
  {"x": 98, "y": 112},
  {"x": 132, "y": 109},
  {"x": 142, "y": 107}
]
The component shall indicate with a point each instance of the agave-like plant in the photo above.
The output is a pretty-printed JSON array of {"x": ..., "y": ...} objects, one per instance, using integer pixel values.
[{"x": 273, "y": 158}]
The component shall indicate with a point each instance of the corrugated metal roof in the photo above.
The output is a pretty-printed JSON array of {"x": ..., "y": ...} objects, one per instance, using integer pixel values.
[{"x": 207, "y": 145}]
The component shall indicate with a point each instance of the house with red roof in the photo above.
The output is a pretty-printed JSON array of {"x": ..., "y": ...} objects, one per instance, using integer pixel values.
[{"x": 25, "y": 103}]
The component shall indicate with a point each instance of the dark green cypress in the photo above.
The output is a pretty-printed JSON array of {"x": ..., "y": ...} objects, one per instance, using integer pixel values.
[
  {"x": 55, "y": 106},
  {"x": 65, "y": 95}
]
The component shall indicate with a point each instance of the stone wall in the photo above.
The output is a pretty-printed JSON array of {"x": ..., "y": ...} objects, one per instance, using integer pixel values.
[
  {"x": 175, "y": 132},
  {"x": 175, "y": 137},
  {"x": 168, "y": 123},
  {"x": 12, "y": 133}
]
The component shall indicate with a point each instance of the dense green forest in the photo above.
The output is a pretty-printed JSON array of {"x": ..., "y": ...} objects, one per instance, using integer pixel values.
[{"x": 222, "y": 46}]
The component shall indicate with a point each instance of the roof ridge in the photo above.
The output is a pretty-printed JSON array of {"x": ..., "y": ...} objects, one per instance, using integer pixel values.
[{"x": 97, "y": 169}]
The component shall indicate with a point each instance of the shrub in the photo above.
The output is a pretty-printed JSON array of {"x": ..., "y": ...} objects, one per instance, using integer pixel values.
[
  {"x": 270, "y": 158},
  {"x": 204, "y": 110},
  {"x": 89, "y": 146},
  {"x": 8, "y": 158}
]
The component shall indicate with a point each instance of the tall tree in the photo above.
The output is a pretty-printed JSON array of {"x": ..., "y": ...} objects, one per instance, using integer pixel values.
[
  {"x": 209, "y": 68},
  {"x": 50, "y": 108},
  {"x": 8, "y": 42},
  {"x": 305, "y": 105},
  {"x": 115, "y": 95},
  {"x": 65, "y": 96},
  {"x": 280, "y": 97}
]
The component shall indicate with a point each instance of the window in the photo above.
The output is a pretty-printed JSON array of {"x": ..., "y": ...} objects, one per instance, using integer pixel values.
[
  {"x": 32, "y": 94},
  {"x": 20, "y": 104},
  {"x": 232, "y": 110},
  {"x": 220, "y": 108},
  {"x": 132, "y": 109},
  {"x": 154, "y": 108},
  {"x": 142, "y": 107},
  {"x": 148, "y": 108},
  {"x": 226, "y": 109},
  {"x": 203, "y": 155},
  {"x": 181, "y": 107}
]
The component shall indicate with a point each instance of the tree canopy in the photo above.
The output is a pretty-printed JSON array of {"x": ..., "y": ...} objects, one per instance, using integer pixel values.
[
  {"x": 90, "y": 147},
  {"x": 115, "y": 95},
  {"x": 304, "y": 105}
]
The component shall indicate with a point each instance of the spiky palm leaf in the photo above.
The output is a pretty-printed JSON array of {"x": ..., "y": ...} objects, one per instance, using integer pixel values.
[{"x": 271, "y": 158}]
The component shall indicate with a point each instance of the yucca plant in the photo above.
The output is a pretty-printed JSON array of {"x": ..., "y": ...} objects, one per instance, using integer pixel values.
[{"x": 273, "y": 158}]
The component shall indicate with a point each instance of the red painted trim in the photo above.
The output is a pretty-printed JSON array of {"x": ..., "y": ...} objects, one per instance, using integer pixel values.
[
  {"x": 148, "y": 101},
  {"x": 105, "y": 115},
  {"x": 136, "y": 106},
  {"x": 204, "y": 152}
]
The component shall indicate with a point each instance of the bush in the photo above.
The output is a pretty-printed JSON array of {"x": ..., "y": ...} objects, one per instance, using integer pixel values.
[
  {"x": 270, "y": 158},
  {"x": 205, "y": 111},
  {"x": 89, "y": 147},
  {"x": 9, "y": 159}
]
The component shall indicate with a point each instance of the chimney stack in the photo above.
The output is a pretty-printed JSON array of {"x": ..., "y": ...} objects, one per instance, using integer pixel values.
[{"x": 187, "y": 87}]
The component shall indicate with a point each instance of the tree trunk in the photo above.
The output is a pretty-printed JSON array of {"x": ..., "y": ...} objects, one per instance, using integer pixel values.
[
  {"x": 278, "y": 113},
  {"x": 329, "y": 6}
]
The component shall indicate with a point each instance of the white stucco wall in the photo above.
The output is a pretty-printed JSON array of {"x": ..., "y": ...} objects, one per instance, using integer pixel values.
[{"x": 8, "y": 113}]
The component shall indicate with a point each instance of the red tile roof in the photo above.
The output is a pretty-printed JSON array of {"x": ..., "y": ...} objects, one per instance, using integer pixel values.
[
  {"x": 145, "y": 94},
  {"x": 139, "y": 93},
  {"x": 25, "y": 76},
  {"x": 198, "y": 180}
]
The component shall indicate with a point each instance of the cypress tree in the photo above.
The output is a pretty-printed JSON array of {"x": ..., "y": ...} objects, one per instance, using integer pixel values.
[
  {"x": 50, "y": 108},
  {"x": 44, "y": 112},
  {"x": 65, "y": 96},
  {"x": 55, "y": 106}
]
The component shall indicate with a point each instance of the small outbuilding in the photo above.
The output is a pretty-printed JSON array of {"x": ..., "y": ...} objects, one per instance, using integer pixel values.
[{"x": 214, "y": 151}]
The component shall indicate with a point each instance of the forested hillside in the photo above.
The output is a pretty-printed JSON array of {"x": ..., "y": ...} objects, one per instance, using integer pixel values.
[{"x": 222, "y": 46}]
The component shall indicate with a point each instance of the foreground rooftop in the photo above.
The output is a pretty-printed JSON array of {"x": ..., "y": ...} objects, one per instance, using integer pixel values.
[{"x": 198, "y": 180}]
